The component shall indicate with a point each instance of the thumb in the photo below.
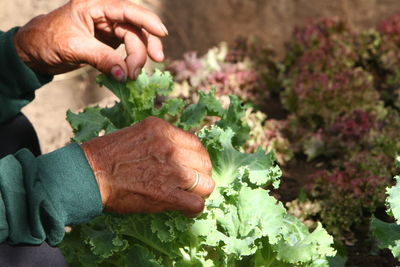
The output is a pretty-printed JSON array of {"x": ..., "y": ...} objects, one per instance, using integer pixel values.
[
  {"x": 104, "y": 58},
  {"x": 188, "y": 203}
]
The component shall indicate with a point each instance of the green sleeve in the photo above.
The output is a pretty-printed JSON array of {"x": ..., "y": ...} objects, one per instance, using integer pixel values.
[
  {"x": 17, "y": 81},
  {"x": 40, "y": 196}
]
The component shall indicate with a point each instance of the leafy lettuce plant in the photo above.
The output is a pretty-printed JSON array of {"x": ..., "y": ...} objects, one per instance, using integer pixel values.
[
  {"x": 228, "y": 71},
  {"x": 244, "y": 69},
  {"x": 242, "y": 224},
  {"x": 350, "y": 194},
  {"x": 388, "y": 234},
  {"x": 341, "y": 89},
  {"x": 323, "y": 79},
  {"x": 267, "y": 134},
  {"x": 387, "y": 60}
]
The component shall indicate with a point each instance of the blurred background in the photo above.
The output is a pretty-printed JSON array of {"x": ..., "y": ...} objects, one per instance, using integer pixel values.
[{"x": 193, "y": 25}]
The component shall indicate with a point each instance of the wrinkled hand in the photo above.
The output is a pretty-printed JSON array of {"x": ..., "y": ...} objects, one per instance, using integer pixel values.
[
  {"x": 87, "y": 31},
  {"x": 146, "y": 168}
]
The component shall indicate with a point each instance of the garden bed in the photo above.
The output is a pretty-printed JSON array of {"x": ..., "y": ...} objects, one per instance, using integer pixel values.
[{"x": 330, "y": 113}]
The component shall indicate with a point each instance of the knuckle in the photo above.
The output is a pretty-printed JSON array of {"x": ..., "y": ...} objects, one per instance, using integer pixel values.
[
  {"x": 150, "y": 119},
  {"x": 131, "y": 5},
  {"x": 207, "y": 186},
  {"x": 150, "y": 123},
  {"x": 155, "y": 191},
  {"x": 196, "y": 141},
  {"x": 144, "y": 124},
  {"x": 211, "y": 185},
  {"x": 133, "y": 9},
  {"x": 188, "y": 177},
  {"x": 172, "y": 199},
  {"x": 177, "y": 154},
  {"x": 155, "y": 123},
  {"x": 147, "y": 13},
  {"x": 154, "y": 17},
  {"x": 170, "y": 132},
  {"x": 119, "y": 30},
  {"x": 191, "y": 139},
  {"x": 160, "y": 152},
  {"x": 207, "y": 165},
  {"x": 70, "y": 50}
]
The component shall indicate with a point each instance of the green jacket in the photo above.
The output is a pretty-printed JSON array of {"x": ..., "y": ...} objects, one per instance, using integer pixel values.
[{"x": 39, "y": 196}]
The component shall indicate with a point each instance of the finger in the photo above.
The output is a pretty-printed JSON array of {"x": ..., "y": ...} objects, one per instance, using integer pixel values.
[
  {"x": 188, "y": 203},
  {"x": 136, "y": 48},
  {"x": 135, "y": 15},
  {"x": 153, "y": 43},
  {"x": 198, "y": 160},
  {"x": 199, "y": 183},
  {"x": 136, "y": 54},
  {"x": 105, "y": 33},
  {"x": 100, "y": 56},
  {"x": 109, "y": 40},
  {"x": 155, "y": 48},
  {"x": 205, "y": 186}
]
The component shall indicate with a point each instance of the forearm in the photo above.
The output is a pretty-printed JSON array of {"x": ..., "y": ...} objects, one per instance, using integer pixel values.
[
  {"x": 17, "y": 81},
  {"x": 40, "y": 196}
]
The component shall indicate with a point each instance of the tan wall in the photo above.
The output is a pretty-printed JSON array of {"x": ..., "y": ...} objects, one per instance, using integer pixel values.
[
  {"x": 203, "y": 23},
  {"x": 18, "y": 12},
  {"x": 193, "y": 25}
]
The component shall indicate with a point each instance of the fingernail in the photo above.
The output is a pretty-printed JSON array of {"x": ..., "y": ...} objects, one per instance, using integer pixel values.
[
  {"x": 118, "y": 74},
  {"x": 164, "y": 29}
]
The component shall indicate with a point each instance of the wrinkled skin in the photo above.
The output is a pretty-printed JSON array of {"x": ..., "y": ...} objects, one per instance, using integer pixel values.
[
  {"x": 86, "y": 32},
  {"x": 146, "y": 168},
  {"x": 143, "y": 168}
]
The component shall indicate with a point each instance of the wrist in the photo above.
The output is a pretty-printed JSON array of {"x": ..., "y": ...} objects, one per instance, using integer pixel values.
[
  {"x": 22, "y": 54},
  {"x": 99, "y": 174}
]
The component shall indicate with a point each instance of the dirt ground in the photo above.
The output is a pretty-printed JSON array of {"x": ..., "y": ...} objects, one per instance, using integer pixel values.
[{"x": 193, "y": 25}]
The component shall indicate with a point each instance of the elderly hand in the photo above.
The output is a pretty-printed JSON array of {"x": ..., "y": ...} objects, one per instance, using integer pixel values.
[
  {"x": 87, "y": 31},
  {"x": 148, "y": 167}
]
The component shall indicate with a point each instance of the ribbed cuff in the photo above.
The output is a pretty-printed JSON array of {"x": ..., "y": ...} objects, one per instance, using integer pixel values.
[{"x": 70, "y": 183}]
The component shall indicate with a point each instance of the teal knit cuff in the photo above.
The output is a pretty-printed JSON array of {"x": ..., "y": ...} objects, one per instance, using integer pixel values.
[{"x": 70, "y": 183}]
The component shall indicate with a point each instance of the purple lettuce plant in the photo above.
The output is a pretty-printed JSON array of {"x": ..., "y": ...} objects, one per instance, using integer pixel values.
[
  {"x": 389, "y": 60},
  {"x": 349, "y": 194}
]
